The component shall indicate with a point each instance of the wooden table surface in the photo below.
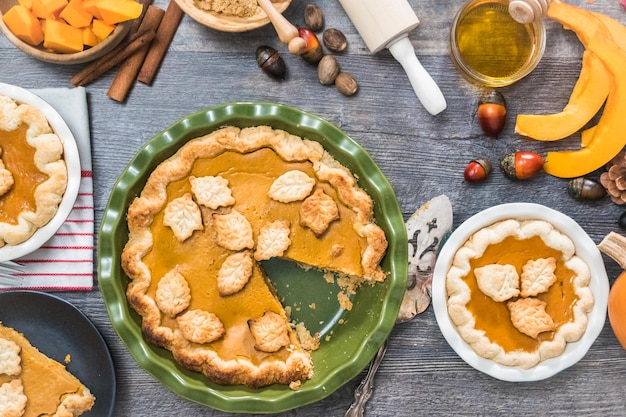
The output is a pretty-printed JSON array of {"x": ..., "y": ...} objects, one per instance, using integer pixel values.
[{"x": 421, "y": 155}]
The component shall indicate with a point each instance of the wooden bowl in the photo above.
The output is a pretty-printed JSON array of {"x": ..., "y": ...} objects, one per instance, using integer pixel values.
[
  {"x": 44, "y": 54},
  {"x": 227, "y": 23}
]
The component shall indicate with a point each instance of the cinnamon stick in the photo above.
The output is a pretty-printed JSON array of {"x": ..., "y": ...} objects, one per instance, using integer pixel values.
[
  {"x": 158, "y": 48},
  {"x": 101, "y": 66},
  {"x": 137, "y": 22},
  {"x": 129, "y": 69}
]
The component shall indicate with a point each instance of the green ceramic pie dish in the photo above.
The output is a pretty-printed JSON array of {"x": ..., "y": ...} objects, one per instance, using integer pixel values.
[{"x": 349, "y": 339}]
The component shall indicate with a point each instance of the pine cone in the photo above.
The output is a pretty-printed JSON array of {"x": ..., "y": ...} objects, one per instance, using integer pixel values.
[{"x": 614, "y": 179}]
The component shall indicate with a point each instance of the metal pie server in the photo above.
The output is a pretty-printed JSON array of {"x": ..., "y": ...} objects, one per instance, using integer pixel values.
[{"x": 426, "y": 229}]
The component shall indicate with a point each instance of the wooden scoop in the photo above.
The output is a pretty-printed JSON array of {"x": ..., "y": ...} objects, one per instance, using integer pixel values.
[{"x": 286, "y": 31}]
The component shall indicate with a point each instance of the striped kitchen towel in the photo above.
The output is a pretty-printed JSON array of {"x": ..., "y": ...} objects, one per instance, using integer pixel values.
[{"x": 65, "y": 262}]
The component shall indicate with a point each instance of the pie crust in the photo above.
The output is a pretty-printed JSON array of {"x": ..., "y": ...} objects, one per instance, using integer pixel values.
[
  {"x": 261, "y": 193},
  {"x": 529, "y": 320},
  {"x": 38, "y": 385},
  {"x": 33, "y": 174}
]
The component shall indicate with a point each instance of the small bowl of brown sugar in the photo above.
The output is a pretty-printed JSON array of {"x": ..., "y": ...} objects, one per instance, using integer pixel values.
[{"x": 230, "y": 15}]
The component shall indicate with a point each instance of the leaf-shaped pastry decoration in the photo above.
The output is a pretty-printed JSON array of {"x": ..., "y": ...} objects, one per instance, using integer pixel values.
[
  {"x": 234, "y": 231},
  {"x": 184, "y": 217},
  {"x": 318, "y": 211},
  {"x": 10, "y": 360},
  {"x": 537, "y": 276},
  {"x": 270, "y": 332},
  {"x": 173, "y": 294},
  {"x": 291, "y": 186},
  {"x": 273, "y": 240},
  {"x": 499, "y": 282},
  {"x": 199, "y": 326},
  {"x": 211, "y": 192},
  {"x": 529, "y": 316},
  {"x": 234, "y": 273}
]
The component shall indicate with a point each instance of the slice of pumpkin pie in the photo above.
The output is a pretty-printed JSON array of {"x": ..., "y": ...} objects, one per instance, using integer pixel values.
[
  {"x": 203, "y": 223},
  {"x": 33, "y": 385}
]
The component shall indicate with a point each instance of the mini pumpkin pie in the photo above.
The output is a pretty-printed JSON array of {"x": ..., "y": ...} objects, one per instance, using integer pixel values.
[
  {"x": 518, "y": 293},
  {"x": 33, "y": 385},
  {"x": 206, "y": 219},
  {"x": 33, "y": 174}
]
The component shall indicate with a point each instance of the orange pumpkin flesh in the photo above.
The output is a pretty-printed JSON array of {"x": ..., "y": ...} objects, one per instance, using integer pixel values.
[{"x": 617, "y": 308}]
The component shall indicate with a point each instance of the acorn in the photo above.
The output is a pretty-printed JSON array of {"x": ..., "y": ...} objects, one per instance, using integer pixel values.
[
  {"x": 271, "y": 62},
  {"x": 585, "y": 189},
  {"x": 312, "y": 52},
  {"x": 521, "y": 165},
  {"x": 477, "y": 170},
  {"x": 491, "y": 112}
]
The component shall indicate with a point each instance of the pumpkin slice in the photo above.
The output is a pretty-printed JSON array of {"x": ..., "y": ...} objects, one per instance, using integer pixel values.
[
  {"x": 588, "y": 96},
  {"x": 592, "y": 87},
  {"x": 608, "y": 136}
]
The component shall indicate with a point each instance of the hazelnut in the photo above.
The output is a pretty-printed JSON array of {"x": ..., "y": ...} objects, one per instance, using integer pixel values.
[
  {"x": 327, "y": 69},
  {"x": 334, "y": 40},
  {"x": 313, "y": 17},
  {"x": 346, "y": 84}
]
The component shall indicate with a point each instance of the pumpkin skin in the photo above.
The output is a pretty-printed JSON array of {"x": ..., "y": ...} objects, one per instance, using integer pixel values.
[{"x": 617, "y": 308}]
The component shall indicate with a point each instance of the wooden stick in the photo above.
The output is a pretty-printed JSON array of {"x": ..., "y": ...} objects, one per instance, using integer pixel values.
[
  {"x": 98, "y": 66},
  {"x": 614, "y": 245},
  {"x": 101, "y": 66},
  {"x": 158, "y": 48},
  {"x": 137, "y": 22},
  {"x": 127, "y": 74},
  {"x": 285, "y": 30}
]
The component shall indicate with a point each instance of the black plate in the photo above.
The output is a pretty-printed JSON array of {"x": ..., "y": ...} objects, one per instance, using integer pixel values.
[{"x": 57, "y": 328}]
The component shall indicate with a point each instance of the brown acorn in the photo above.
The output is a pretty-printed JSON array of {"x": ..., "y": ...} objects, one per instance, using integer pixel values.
[
  {"x": 491, "y": 112},
  {"x": 477, "y": 170},
  {"x": 521, "y": 165},
  {"x": 271, "y": 62},
  {"x": 585, "y": 189}
]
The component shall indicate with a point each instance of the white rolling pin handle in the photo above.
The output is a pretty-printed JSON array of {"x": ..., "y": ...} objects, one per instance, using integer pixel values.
[{"x": 425, "y": 87}]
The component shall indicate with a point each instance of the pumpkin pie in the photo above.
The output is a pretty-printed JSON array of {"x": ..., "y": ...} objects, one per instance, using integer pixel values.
[
  {"x": 32, "y": 384},
  {"x": 206, "y": 220},
  {"x": 33, "y": 174},
  {"x": 518, "y": 292}
]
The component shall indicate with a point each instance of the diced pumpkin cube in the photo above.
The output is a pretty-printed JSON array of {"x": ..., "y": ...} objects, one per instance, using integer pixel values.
[
  {"x": 26, "y": 3},
  {"x": 40, "y": 10},
  {"x": 90, "y": 38},
  {"x": 116, "y": 11},
  {"x": 54, "y": 6},
  {"x": 23, "y": 24},
  {"x": 62, "y": 37},
  {"x": 101, "y": 29},
  {"x": 75, "y": 15},
  {"x": 90, "y": 7}
]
